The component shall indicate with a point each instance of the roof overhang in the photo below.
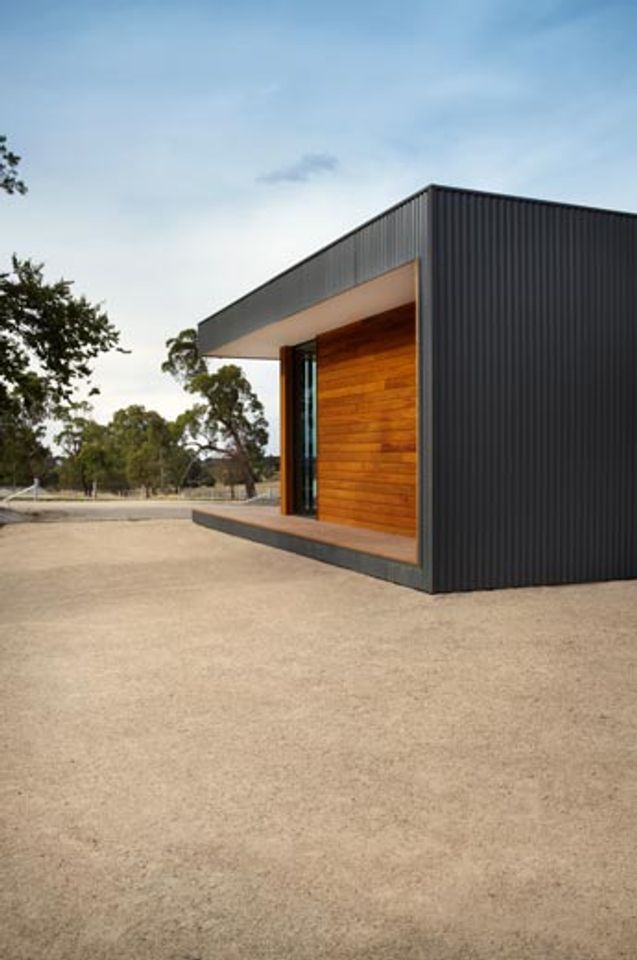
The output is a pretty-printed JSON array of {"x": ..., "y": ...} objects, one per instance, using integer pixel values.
[
  {"x": 391, "y": 289},
  {"x": 365, "y": 272}
]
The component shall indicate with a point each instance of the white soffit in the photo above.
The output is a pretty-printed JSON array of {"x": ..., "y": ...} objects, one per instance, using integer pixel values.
[{"x": 392, "y": 289}]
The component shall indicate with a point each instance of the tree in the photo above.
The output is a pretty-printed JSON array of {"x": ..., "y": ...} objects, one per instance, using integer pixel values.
[
  {"x": 144, "y": 466},
  {"x": 138, "y": 448},
  {"x": 48, "y": 338},
  {"x": 144, "y": 444},
  {"x": 182, "y": 464},
  {"x": 231, "y": 420},
  {"x": 89, "y": 456},
  {"x": 23, "y": 452},
  {"x": 9, "y": 161}
]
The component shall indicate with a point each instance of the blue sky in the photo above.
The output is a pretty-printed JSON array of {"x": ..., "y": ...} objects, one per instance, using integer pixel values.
[{"x": 179, "y": 153}]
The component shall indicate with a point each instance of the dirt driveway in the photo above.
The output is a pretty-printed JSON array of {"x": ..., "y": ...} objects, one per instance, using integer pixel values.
[{"x": 212, "y": 750}]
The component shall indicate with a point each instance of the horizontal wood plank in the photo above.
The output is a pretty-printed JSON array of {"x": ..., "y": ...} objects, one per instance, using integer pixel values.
[{"x": 367, "y": 423}]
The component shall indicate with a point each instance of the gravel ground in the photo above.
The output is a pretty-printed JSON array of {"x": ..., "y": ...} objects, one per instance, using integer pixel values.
[{"x": 212, "y": 750}]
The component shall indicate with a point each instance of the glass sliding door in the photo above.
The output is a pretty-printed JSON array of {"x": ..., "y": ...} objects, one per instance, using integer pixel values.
[{"x": 304, "y": 414}]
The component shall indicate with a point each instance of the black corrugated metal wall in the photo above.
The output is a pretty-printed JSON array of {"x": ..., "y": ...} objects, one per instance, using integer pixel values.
[{"x": 534, "y": 473}]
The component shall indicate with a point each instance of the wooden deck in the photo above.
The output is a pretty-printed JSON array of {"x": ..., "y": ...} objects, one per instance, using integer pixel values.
[{"x": 390, "y": 546}]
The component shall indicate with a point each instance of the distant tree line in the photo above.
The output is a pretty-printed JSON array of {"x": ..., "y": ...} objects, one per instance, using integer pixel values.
[
  {"x": 140, "y": 450},
  {"x": 137, "y": 450}
]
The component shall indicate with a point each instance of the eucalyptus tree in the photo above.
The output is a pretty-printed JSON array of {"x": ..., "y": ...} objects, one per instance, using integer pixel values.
[{"x": 229, "y": 420}]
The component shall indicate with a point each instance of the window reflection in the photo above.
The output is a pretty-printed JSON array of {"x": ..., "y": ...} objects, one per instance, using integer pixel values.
[{"x": 305, "y": 428}]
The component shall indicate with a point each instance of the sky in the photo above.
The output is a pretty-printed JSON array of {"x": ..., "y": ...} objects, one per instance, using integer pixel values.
[{"x": 178, "y": 154}]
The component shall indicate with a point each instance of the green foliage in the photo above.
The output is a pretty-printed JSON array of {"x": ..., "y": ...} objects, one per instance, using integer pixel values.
[
  {"x": 48, "y": 338},
  {"x": 9, "y": 181},
  {"x": 143, "y": 439},
  {"x": 138, "y": 448},
  {"x": 144, "y": 466},
  {"x": 184, "y": 360},
  {"x": 230, "y": 421},
  {"x": 90, "y": 455},
  {"x": 23, "y": 451}
]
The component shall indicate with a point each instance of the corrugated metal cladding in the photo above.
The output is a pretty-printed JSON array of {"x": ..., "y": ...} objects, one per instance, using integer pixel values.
[
  {"x": 384, "y": 243},
  {"x": 534, "y": 392}
]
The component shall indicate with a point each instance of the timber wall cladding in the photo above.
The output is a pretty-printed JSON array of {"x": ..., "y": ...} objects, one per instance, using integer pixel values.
[{"x": 367, "y": 423}]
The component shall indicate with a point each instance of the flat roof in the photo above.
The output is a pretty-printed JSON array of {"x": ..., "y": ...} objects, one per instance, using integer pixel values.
[
  {"x": 233, "y": 330},
  {"x": 392, "y": 289}
]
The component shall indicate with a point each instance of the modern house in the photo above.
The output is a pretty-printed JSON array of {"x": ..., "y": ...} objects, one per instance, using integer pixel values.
[{"x": 458, "y": 394}]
